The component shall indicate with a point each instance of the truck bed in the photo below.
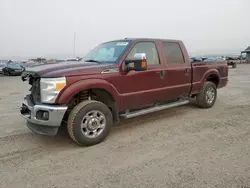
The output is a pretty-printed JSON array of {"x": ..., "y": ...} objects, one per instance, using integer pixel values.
[{"x": 216, "y": 70}]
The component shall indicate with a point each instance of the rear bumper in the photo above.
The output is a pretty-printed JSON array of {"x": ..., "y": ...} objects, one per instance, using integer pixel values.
[{"x": 42, "y": 119}]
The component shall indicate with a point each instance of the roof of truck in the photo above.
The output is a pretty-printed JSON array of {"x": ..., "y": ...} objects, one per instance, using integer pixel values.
[{"x": 145, "y": 39}]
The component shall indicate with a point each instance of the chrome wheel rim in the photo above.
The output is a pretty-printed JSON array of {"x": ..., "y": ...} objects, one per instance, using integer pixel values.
[
  {"x": 93, "y": 124},
  {"x": 210, "y": 95}
]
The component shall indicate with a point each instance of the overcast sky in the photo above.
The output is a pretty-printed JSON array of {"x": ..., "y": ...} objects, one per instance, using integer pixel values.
[{"x": 46, "y": 28}]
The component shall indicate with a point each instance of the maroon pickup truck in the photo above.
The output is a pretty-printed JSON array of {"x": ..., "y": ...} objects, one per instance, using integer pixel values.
[{"x": 116, "y": 80}]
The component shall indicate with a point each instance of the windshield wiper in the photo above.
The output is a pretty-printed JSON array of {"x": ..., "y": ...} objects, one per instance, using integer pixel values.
[{"x": 92, "y": 60}]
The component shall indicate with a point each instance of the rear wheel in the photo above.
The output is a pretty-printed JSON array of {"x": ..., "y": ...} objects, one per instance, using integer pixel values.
[
  {"x": 207, "y": 96},
  {"x": 89, "y": 122},
  {"x": 234, "y": 65}
]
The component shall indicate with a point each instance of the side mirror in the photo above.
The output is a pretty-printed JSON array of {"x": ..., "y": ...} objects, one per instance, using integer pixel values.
[{"x": 138, "y": 63}]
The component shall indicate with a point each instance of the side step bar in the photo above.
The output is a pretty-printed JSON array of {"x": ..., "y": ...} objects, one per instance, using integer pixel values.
[{"x": 154, "y": 109}]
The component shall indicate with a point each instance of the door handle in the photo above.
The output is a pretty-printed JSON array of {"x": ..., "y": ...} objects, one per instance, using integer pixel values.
[
  {"x": 186, "y": 71},
  {"x": 162, "y": 74}
]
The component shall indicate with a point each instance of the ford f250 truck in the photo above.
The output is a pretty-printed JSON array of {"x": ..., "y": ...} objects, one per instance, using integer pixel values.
[{"x": 116, "y": 80}]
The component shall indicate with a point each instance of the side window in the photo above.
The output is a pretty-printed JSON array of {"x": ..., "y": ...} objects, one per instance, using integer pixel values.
[
  {"x": 173, "y": 53},
  {"x": 146, "y": 47}
]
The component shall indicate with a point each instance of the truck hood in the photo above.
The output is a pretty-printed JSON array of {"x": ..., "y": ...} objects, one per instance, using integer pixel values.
[{"x": 65, "y": 69}]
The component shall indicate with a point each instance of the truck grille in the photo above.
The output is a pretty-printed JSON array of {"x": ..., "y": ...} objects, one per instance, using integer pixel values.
[{"x": 35, "y": 89}]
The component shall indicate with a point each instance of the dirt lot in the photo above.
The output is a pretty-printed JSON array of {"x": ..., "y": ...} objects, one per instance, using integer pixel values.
[{"x": 181, "y": 147}]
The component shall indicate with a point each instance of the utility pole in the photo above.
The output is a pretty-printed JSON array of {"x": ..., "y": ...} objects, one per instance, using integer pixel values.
[{"x": 74, "y": 44}]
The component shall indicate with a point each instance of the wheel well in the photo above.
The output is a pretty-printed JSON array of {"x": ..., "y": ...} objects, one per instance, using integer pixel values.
[
  {"x": 213, "y": 78},
  {"x": 97, "y": 94}
]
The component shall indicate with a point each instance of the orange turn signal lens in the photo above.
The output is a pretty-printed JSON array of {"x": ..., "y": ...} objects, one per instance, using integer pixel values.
[
  {"x": 143, "y": 64},
  {"x": 60, "y": 86}
]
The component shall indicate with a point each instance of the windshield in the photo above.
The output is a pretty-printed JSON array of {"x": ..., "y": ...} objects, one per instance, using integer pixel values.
[
  {"x": 2, "y": 64},
  {"x": 14, "y": 66},
  {"x": 108, "y": 52}
]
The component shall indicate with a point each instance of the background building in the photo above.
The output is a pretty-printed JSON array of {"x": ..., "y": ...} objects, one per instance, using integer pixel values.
[{"x": 247, "y": 52}]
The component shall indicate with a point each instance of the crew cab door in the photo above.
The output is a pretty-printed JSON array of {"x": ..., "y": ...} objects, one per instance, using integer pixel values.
[
  {"x": 140, "y": 88},
  {"x": 178, "y": 79}
]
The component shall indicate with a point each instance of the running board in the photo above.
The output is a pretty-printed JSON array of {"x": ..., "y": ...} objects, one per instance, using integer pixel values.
[{"x": 153, "y": 109}]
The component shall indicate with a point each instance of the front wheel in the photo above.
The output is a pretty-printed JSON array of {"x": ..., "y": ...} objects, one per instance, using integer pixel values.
[
  {"x": 207, "y": 96},
  {"x": 89, "y": 122},
  {"x": 7, "y": 73}
]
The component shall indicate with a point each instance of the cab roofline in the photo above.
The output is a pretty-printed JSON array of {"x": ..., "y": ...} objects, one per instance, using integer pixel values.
[
  {"x": 142, "y": 39},
  {"x": 145, "y": 39}
]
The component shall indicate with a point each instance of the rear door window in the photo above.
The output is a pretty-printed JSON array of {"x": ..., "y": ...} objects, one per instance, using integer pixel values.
[{"x": 173, "y": 53}]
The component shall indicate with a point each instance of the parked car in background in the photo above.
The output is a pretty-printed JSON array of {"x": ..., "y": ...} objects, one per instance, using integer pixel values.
[
  {"x": 207, "y": 59},
  {"x": 13, "y": 69},
  {"x": 210, "y": 59},
  {"x": 2, "y": 65},
  {"x": 73, "y": 59},
  {"x": 31, "y": 64},
  {"x": 232, "y": 61},
  {"x": 195, "y": 59}
]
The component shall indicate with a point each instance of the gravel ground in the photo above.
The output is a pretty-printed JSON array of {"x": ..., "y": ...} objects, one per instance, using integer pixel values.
[{"x": 181, "y": 147}]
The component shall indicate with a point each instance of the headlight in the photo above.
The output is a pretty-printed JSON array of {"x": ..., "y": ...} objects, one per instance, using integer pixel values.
[{"x": 50, "y": 88}]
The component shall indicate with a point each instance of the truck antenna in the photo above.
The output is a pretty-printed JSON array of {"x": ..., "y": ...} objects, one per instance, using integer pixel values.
[{"x": 74, "y": 44}]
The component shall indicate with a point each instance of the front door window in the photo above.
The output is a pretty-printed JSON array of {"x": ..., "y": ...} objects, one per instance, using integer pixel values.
[{"x": 146, "y": 47}]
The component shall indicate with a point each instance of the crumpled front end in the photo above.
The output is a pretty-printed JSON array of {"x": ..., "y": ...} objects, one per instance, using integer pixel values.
[{"x": 41, "y": 118}]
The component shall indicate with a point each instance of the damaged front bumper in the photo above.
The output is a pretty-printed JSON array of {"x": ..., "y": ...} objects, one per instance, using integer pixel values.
[{"x": 42, "y": 119}]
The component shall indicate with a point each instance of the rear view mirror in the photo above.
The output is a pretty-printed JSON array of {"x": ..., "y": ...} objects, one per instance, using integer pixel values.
[{"x": 138, "y": 63}]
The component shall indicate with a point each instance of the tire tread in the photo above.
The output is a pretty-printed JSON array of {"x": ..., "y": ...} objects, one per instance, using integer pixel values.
[
  {"x": 73, "y": 114},
  {"x": 200, "y": 97}
]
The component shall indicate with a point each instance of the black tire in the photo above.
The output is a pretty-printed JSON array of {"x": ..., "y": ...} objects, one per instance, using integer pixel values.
[
  {"x": 6, "y": 73},
  {"x": 75, "y": 119},
  {"x": 234, "y": 65},
  {"x": 201, "y": 97}
]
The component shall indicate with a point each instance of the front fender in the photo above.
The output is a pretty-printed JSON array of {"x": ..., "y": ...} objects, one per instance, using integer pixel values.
[{"x": 69, "y": 92}]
